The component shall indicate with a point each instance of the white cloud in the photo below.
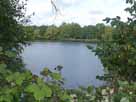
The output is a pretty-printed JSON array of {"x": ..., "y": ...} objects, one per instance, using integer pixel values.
[
  {"x": 84, "y": 12},
  {"x": 70, "y": 1}
]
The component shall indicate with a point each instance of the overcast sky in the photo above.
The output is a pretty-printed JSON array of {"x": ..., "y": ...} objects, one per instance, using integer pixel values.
[{"x": 84, "y": 12}]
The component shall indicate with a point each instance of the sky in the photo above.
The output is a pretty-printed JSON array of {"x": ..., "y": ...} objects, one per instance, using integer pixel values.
[{"x": 83, "y": 12}]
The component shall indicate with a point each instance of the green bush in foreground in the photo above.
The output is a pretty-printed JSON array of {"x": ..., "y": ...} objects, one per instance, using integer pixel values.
[{"x": 26, "y": 87}]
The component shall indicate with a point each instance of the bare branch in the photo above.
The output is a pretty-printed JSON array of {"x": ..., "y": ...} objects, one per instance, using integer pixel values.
[{"x": 54, "y": 5}]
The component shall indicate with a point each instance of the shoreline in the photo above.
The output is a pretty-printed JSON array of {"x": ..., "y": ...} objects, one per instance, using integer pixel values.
[{"x": 70, "y": 40}]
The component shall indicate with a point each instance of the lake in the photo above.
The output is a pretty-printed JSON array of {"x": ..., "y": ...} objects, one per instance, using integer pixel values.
[{"x": 80, "y": 65}]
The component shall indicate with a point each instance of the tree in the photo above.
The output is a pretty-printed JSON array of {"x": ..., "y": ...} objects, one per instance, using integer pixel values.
[
  {"x": 52, "y": 33},
  {"x": 108, "y": 33},
  {"x": 72, "y": 30},
  {"x": 118, "y": 55},
  {"x": 16, "y": 83},
  {"x": 12, "y": 35},
  {"x": 89, "y": 32},
  {"x": 76, "y": 31},
  {"x": 43, "y": 29},
  {"x": 30, "y": 32},
  {"x": 100, "y": 30}
]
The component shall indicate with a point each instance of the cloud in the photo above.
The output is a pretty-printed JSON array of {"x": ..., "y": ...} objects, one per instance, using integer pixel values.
[
  {"x": 84, "y": 12},
  {"x": 67, "y": 3},
  {"x": 96, "y": 12}
]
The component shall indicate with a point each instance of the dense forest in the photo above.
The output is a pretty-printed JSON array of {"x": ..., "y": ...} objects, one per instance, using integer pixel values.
[
  {"x": 17, "y": 84},
  {"x": 70, "y": 31}
]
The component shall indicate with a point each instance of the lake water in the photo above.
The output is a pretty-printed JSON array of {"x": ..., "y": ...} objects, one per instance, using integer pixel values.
[{"x": 80, "y": 65}]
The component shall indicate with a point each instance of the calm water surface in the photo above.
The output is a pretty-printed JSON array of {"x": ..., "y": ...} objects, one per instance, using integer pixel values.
[{"x": 80, "y": 65}]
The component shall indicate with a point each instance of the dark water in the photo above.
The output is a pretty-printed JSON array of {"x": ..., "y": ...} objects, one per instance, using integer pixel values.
[{"x": 80, "y": 65}]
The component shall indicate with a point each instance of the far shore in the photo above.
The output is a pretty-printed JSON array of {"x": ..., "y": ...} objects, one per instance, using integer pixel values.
[{"x": 70, "y": 40}]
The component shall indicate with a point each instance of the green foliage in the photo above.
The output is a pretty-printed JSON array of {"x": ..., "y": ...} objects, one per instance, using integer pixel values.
[
  {"x": 51, "y": 33},
  {"x": 11, "y": 16},
  {"x": 118, "y": 55},
  {"x": 16, "y": 83},
  {"x": 16, "y": 77},
  {"x": 56, "y": 76},
  {"x": 40, "y": 91},
  {"x": 118, "y": 58},
  {"x": 11, "y": 54},
  {"x": 69, "y": 31}
]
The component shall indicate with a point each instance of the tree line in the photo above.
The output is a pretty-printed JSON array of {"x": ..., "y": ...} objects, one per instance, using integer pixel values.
[{"x": 67, "y": 31}]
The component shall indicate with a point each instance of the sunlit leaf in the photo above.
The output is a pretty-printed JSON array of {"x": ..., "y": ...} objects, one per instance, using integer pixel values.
[
  {"x": 56, "y": 76},
  {"x": 10, "y": 54},
  {"x": 124, "y": 99}
]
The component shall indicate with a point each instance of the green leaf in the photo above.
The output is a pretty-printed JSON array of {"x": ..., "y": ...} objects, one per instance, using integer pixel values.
[
  {"x": 45, "y": 72},
  {"x": 28, "y": 75},
  {"x": 10, "y": 54},
  {"x": 123, "y": 83},
  {"x": 47, "y": 91},
  {"x": 124, "y": 99},
  {"x": 129, "y": 1},
  {"x": 56, "y": 76},
  {"x": 3, "y": 69},
  {"x": 3, "y": 65},
  {"x": 17, "y": 77},
  {"x": 20, "y": 80},
  {"x": 32, "y": 88},
  {"x": 39, "y": 92},
  {"x": 1, "y": 48},
  {"x": 65, "y": 97},
  {"x": 6, "y": 98},
  {"x": 118, "y": 96},
  {"x": 90, "y": 89},
  {"x": 107, "y": 20},
  {"x": 40, "y": 82}
]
